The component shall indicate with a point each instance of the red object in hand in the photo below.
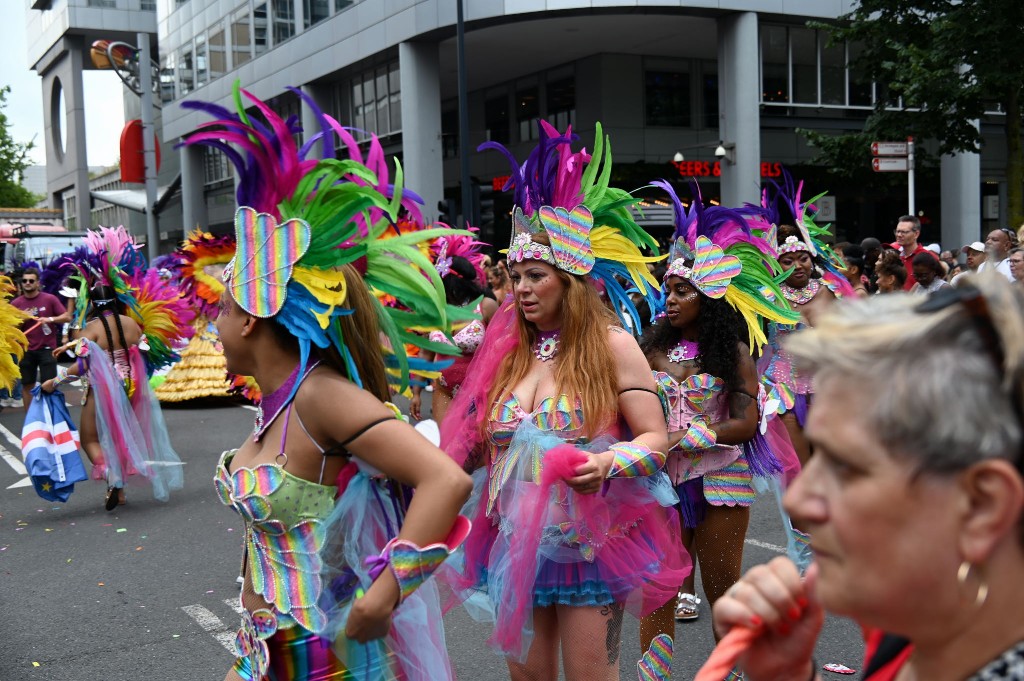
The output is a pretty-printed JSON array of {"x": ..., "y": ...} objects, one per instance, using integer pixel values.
[{"x": 723, "y": 657}]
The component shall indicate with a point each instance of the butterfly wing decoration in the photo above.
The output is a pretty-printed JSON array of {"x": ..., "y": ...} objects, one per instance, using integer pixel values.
[
  {"x": 265, "y": 257},
  {"x": 656, "y": 663},
  {"x": 712, "y": 269},
  {"x": 569, "y": 232}
]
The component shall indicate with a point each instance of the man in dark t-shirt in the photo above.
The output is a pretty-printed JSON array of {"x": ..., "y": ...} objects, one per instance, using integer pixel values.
[{"x": 42, "y": 331}]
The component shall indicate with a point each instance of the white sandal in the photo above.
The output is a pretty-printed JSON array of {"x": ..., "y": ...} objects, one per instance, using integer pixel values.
[{"x": 687, "y": 607}]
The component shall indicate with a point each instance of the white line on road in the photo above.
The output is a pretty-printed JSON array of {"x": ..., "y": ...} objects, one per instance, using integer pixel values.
[
  {"x": 14, "y": 461},
  {"x": 234, "y": 604},
  {"x": 11, "y": 437},
  {"x": 211, "y": 623},
  {"x": 765, "y": 545},
  {"x": 24, "y": 482}
]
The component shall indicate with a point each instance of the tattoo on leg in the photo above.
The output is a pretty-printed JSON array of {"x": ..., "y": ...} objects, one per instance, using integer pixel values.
[{"x": 614, "y": 613}]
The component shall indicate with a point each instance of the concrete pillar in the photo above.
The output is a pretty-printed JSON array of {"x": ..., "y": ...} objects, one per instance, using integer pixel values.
[
  {"x": 419, "y": 73},
  {"x": 961, "y": 200},
  {"x": 193, "y": 197},
  {"x": 310, "y": 125},
  {"x": 739, "y": 117},
  {"x": 66, "y": 168}
]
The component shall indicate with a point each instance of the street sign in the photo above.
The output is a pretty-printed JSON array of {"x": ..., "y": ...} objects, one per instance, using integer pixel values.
[
  {"x": 889, "y": 165},
  {"x": 889, "y": 149}
]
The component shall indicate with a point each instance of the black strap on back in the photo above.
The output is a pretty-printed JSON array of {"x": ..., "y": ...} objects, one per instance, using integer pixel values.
[{"x": 888, "y": 650}]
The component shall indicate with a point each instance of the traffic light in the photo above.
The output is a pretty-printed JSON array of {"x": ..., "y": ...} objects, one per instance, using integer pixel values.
[{"x": 447, "y": 212}]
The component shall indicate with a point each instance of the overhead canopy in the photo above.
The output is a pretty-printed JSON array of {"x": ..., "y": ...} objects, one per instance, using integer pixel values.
[{"x": 135, "y": 199}]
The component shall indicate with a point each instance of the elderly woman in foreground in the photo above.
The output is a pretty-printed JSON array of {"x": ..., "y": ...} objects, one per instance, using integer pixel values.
[{"x": 913, "y": 497}]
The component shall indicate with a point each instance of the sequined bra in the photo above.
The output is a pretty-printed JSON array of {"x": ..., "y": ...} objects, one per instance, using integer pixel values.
[
  {"x": 468, "y": 338},
  {"x": 553, "y": 414},
  {"x": 283, "y": 536}
]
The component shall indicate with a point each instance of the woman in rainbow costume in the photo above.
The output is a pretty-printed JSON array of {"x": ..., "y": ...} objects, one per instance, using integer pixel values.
[
  {"x": 561, "y": 414},
  {"x": 337, "y": 549},
  {"x": 458, "y": 260},
  {"x": 813, "y": 284},
  {"x": 719, "y": 289},
  {"x": 125, "y": 324}
]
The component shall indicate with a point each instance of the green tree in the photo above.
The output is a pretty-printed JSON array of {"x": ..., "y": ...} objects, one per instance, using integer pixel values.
[
  {"x": 949, "y": 61},
  {"x": 13, "y": 161}
]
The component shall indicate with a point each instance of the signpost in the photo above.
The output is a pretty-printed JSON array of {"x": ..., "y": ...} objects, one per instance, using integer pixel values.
[{"x": 896, "y": 157}]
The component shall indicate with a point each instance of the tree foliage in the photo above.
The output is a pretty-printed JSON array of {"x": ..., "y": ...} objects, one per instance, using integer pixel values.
[
  {"x": 949, "y": 61},
  {"x": 13, "y": 161}
]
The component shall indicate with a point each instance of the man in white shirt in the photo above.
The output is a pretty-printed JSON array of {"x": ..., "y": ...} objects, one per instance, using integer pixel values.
[
  {"x": 975, "y": 252},
  {"x": 997, "y": 248}
]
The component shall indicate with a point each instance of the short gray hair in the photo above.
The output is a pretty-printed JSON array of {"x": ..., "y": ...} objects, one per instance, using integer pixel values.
[{"x": 943, "y": 403}]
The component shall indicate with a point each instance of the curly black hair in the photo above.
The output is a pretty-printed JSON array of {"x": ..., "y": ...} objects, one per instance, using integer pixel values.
[
  {"x": 719, "y": 329},
  {"x": 460, "y": 285}
]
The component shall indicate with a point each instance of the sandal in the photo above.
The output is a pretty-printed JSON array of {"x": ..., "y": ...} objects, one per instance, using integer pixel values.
[
  {"x": 110, "y": 501},
  {"x": 687, "y": 607}
]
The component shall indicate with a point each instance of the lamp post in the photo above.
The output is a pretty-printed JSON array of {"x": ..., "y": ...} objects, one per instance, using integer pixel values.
[{"x": 127, "y": 62}]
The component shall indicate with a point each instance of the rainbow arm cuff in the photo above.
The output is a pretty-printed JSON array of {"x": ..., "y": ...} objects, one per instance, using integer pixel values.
[
  {"x": 412, "y": 565},
  {"x": 634, "y": 460},
  {"x": 699, "y": 435}
]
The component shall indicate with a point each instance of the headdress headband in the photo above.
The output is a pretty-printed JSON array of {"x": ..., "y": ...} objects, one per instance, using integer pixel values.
[
  {"x": 793, "y": 244},
  {"x": 712, "y": 270}
]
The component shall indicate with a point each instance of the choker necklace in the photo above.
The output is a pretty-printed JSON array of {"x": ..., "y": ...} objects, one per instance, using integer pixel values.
[
  {"x": 273, "y": 402},
  {"x": 546, "y": 345},
  {"x": 801, "y": 296},
  {"x": 683, "y": 351}
]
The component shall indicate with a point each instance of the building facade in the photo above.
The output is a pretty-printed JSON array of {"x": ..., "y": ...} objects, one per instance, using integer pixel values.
[{"x": 671, "y": 81}]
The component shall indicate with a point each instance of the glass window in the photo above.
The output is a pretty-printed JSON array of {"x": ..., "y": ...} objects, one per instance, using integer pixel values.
[
  {"x": 260, "y": 23},
  {"x": 667, "y": 98},
  {"x": 395, "y": 98},
  {"x": 833, "y": 73},
  {"x": 709, "y": 93},
  {"x": 496, "y": 118},
  {"x": 167, "y": 78},
  {"x": 148, "y": 5},
  {"x": 860, "y": 84},
  {"x": 358, "y": 118},
  {"x": 315, "y": 11},
  {"x": 805, "y": 65},
  {"x": 241, "y": 37},
  {"x": 218, "y": 55},
  {"x": 105, "y": 4},
  {"x": 284, "y": 20},
  {"x": 561, "y": 95},
  {"x": 527, "y": 112},
  {"x": 774, "y": 64},
  {"x": 202, "y": 65},
  {"x": 342, "y": 5},
  {"x": 383, "y": 117},
  {"x": 450, "y": 133},
  {"x": 186, "y": 82},
  {"x": 369, "y": 102},
  {"x": 216, "y": 167}
]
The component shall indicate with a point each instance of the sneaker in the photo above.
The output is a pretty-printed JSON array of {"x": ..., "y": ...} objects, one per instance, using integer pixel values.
[
  {"x": 687, "y": 608},
  {"x": 16, "y": 403},
  {"x": 5, "y": 402},
  {"x": 240, "y": 581}
]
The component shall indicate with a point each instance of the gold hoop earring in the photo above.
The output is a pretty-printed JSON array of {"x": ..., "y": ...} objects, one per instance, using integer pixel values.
[{"x": 961, "y": 577}]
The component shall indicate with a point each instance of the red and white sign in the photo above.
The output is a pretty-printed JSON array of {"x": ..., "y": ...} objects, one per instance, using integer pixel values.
[
  {"x": 889, "y": 165},
  {"x": 888, "y": 149}
]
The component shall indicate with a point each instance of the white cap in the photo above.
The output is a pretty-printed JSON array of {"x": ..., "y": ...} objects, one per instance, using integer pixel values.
[
  {"x": 975, "y": 246},
  {"x": 934, "y": 248}
]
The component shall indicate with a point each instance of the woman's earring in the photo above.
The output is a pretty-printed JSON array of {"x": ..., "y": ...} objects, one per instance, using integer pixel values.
[{"x": 961, "y": 577}]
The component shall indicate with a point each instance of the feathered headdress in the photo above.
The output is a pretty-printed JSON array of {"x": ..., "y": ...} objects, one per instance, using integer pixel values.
[
  {"x": 716, "y": 250},
  {"x": 448, "y": 247},
  {"x": 12, "y": 338},
  {"x": 589, "y": 224},
  {"x": 777, "y": 198},
  {"x": 197, "y": 268},
  {"x": 300, "y": 219}
]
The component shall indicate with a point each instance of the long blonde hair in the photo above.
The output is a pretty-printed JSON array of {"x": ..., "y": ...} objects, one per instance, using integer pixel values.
[{"x": 585, "y": 365}]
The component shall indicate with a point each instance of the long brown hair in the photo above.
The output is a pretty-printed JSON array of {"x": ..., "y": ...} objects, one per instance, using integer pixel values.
[
  {"x": 361, "y": 333},
  {"x": 585, "y": 365}
]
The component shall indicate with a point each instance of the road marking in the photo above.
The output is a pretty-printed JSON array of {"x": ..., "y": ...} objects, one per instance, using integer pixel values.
[
  {"x": 14, "y": 461},
  {"x": 24, "y": 482},
  {"x": 249, "y": 406},
  {"x": 234, "y": 604},
  {"x": 765, "y": 545},
  {"x": 11, "y": 437},
  {"x": 212, "y": 624}
]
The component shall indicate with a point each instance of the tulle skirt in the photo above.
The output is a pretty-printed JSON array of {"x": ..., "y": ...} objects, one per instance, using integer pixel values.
[{"x": 544, "y": 544}]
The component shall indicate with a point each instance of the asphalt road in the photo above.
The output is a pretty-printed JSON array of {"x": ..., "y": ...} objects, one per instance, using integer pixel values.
[{"x": 148, "y": 591}]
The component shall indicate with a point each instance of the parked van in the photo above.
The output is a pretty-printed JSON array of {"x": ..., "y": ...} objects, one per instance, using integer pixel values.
[{"x": 37, "y": 243}]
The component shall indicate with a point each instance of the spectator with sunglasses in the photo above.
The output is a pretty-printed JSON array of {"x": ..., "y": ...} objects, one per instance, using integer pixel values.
[
  {"x": 43, "y": 332},
  {"x": 997, "y": 246}
]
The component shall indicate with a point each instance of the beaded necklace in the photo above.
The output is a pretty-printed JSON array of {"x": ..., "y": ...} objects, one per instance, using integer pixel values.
[{"x": 801, "y": 296}]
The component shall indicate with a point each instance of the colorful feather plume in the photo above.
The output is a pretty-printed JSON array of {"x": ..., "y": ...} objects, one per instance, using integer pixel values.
[
  {"x": 349, "y": 205},
  {"x": 753, "y": 291},
  {"x": 591, "y": 220}
]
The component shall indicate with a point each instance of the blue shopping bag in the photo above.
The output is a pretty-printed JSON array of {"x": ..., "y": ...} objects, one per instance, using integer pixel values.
[{"x": 49, "y": 444}]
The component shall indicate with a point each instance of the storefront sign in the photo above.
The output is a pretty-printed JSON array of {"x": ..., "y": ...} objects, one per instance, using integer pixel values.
[{"x": 714, "y": 168}]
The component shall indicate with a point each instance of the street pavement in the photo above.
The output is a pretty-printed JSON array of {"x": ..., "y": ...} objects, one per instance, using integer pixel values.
[{"x": 148, "y": 591}]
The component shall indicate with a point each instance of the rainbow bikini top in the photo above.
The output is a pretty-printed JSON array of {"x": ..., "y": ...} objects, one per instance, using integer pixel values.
[
  {"x": 468, "y": 338},
  {"x": 553, "y": 414},
  {"x": 283, "y": 534},
  {"x": 698, "y": 394}
]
